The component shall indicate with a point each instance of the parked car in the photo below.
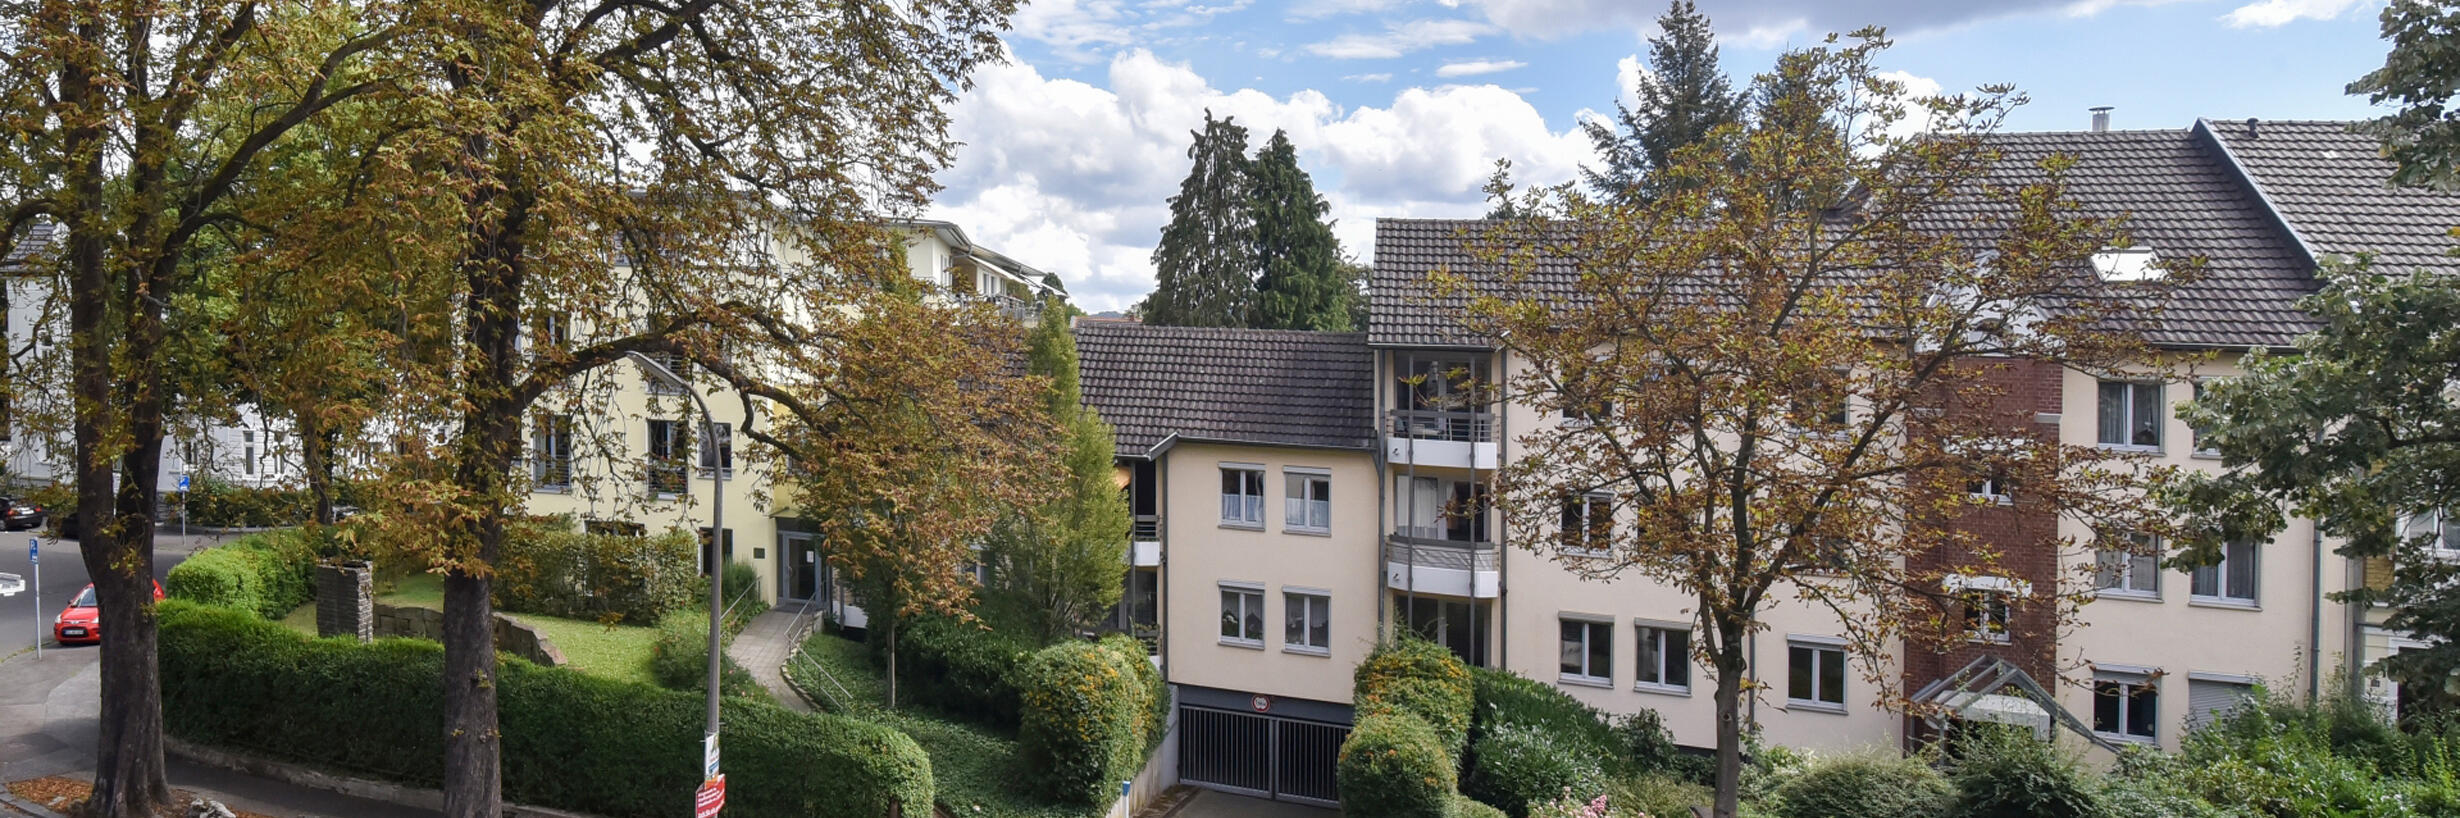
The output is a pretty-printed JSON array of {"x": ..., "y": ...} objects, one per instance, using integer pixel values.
[
  {"x": 81, "y": 622},
  {"x": 19, "y": 513}
]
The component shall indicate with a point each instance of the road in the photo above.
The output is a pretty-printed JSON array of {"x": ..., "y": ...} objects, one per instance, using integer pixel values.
[{"x": 63, "y": 576}]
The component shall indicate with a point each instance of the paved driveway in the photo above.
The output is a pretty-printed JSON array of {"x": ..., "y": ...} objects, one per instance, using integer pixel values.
[{"x": 1211, "y": 804}]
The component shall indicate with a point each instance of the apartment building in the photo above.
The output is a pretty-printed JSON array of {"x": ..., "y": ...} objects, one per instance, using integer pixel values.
[{"x": 1214, "y": 423}]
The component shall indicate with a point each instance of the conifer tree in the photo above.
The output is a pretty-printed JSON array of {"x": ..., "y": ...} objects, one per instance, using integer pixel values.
[
  {"x": 1683, "y": 96},
  {"x": 1300, "y": 283},
  {"x": 1204, "y": 267}
]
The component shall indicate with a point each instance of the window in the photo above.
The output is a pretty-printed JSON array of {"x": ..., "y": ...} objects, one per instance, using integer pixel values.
[
  {"x": 2132, "y": 569},
  {"x": 709, "y": 561},
  {"x": 2210, "y": 696},
  {"x": 1823, "y": 406},
  {"x": 2443, "y": 535},
  {"x": 1994, "y": 486},
  {"x": 1815, "y": 674},
  {"x": 718, "y": 458},
  {"x": 1588, "y": 524},
  {"x": 1588, "y": 652},
  {"x": 551, "y": 452},
  {"x": 247, "y": 455},
  {"x": 2197, "y": 435},
  {"x": 2231, "y": 581},
  {"x": 2131, "y": 414},
  {"x": 1308, "y": 505},
  {"x": 667, "y": 448},
  {"x": 1242, "y": 616},
  {"x": 1665, "y": 659},
  {"x": 1306, "y": 622},
  {"x": 675, "y": 362},
  {"x": 2126, "y": 264},
  {"x": 1242, "y": 496},
  {"x": 1465, "y": 516},
  {"x": 2126, "y": 706},
  {"x": 614, "y": 528},
  {"x": 1986, "y": 612},
  {"x": 550, "y": 331}
]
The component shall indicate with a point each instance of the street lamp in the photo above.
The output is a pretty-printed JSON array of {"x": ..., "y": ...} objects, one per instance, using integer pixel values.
[{"x": 717, "y": 539}]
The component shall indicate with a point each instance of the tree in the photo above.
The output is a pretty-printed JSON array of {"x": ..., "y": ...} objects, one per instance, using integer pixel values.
[
  {"x": 1057, "y": 567},
  {"x": 1785, "y": 368},
  {"x": 1299, "y": 283},
  {"x": 131, "y": 127},
  {"x": 1205, "y": 266},
  {"x": 1683, "y": 96},
  {"x": 2419, "y": 75}
]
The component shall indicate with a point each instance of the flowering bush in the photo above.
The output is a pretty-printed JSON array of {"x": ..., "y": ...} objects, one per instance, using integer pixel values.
[{"x": 1570, "y": 806}]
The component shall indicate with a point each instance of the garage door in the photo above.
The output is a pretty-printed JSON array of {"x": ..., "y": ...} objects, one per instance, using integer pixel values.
[{"x": 1260, "y": 755}]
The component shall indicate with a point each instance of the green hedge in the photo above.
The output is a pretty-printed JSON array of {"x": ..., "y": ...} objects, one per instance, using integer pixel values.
[
  {"x": 1518, "y": 764},
  {"x": 270, "y": 573},
  {"x": 2002, "y": 772},
  {"x": 1422, "y": 679},
  {"x": 1394, "y": 766},
  {"x": 1087, "y": 720},
  {"x": 222, "y": 505},
  {"x": 1865, "y": 786},
  {"x": 679, "y": 659},
  {"x": 958, "y": 668},
  {"x": 571, "y": 741},
  {"x": 551, "y": 570}
]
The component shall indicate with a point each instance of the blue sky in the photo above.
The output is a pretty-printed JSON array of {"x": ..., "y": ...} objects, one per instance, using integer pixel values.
[{"x": 1400, "y": 108}]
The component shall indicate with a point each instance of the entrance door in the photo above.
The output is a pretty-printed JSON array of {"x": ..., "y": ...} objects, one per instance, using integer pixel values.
[
  {"x": 802, "y": 574},
  {"x": 1255, "y": 754}
]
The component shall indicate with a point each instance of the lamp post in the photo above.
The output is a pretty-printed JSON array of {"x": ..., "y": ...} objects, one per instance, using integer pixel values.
[{"x": 717, "y": 539}]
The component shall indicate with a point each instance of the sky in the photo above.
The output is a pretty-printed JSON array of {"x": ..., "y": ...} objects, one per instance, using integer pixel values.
[{"x": 1400, "y": 108}]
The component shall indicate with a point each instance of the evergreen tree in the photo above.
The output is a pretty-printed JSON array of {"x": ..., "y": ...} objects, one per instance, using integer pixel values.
[
  {"x": 1299, "y": 282},
  {"x": 1683, "y": 96},
  {"x": 1056, "y": 567},
  {"x": 1204, "y": 267}
]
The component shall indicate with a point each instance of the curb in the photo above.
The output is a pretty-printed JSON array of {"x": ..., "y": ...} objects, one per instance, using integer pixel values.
[
  {"x": 28, "y": 807},
  {"x": 299, "y": 776}
]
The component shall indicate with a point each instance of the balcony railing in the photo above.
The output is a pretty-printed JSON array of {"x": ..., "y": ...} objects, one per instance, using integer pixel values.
[
  {"x": 1145, "y": 528},
  {"x": 1427, "y": 552},
  {"x": 1457, "y": 427}
]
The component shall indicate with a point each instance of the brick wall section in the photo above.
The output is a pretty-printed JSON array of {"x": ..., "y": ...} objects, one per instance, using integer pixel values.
[
  {"x": 346, "y": 601},
  {"x": 2024, "y": 535}
]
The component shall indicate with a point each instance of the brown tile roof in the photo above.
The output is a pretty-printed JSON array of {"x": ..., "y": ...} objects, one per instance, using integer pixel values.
[
  {"x": 1273, "y": 387},
  {"x": 2333, "y": 187}
]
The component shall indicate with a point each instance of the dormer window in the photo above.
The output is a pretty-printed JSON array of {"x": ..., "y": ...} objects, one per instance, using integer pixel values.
[{"x": 2127, "y": 265}]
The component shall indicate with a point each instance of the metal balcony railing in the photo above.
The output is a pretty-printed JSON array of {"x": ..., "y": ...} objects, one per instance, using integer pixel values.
[
  {"x": 1433, "y": 553},
  {"x": 1145, "y": 528},
  {"x": 1457, "y": 427}
]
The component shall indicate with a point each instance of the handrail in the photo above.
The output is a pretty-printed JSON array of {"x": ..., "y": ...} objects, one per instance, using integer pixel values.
[
  {"x": 1448, "y": 425},
  {"x": 1434, "y": 553}
]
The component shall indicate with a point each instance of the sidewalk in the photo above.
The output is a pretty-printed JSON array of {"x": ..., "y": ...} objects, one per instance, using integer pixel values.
[
  {"x": 762, "y": 649},
  {"x": 48, "y": 727}
]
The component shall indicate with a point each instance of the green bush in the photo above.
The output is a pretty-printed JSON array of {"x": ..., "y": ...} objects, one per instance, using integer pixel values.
[
  {"x": 1864, "y": 786},
  {"x": 570, "y": 740},
  {"x": 1571, "y": 806},
  {"x": 679, "y": 659},
  {"x": 1518, "y": 764},
  {"x": 1393, "y": 766},
  {"x": 958, "y": 668},
  {"x": 1130, "y": 654},
  {"x": 549, "y": 569},
  {"x": 1086, "y": 720},
  {"x": 1503, "y": 697},
  {"x": 1659, "y": 795},
  {"x": 1644, "y": 739},
  {"x": 1463, "y": 806},
  {"x": 1422, "y": 679},
  {"x": 742, "y": 589},
  {"x": 212, "y": 502},
  {"x": 2006, "y": 773},
  {"x": 270, "y": 573}
]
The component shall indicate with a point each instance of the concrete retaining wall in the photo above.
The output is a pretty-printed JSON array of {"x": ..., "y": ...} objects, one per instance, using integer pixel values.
[{"x": 510, "y": 636}]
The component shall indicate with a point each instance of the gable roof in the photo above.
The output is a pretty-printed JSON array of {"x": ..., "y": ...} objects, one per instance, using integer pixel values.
[
  {"x": 37, "y": 238},
  {"x": 1270, "y": 387},
  {"x": 2332, "y": 187}
]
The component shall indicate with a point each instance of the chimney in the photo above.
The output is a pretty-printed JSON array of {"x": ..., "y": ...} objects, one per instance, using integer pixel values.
[
  {"x": 2101, "y": 119},
  {"x": 2250, "y": 127}
]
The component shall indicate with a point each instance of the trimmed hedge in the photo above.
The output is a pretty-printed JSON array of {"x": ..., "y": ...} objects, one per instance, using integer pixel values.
[
  {"x": 551, "y": 570},
  {"x": 1463, "y": 806},
  {"x": 223, "y": 505},
  {"x": 1394, "y": 766},
  {"x": 1422, "y": 679},
  {"x": 958, "y": 668},
  {"x": 270, "y": 573},
  {"x": 679, "y": 659},
  {"x": 1521, "y": 764},
  {"x": 1865, "y": 786},
  {"x": 1087, "y": 719},
  {"x": 2004, "y": 773},
  {"x": 571, "y": 741}
]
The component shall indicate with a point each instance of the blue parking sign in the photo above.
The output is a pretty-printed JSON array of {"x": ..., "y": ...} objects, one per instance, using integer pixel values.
[
  {"x": 34, "y": 550},
  {"x": 183, "y": 482}
]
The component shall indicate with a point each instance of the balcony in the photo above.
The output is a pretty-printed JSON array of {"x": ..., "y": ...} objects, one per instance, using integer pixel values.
[
  {"x": 1461, "y": 440},
  {"x": 1145, "y": 540},
  {"x": 1448, "y": 567}
]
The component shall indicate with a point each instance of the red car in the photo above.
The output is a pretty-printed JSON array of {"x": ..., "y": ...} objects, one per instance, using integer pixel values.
[{"x": 81, "y": 622}]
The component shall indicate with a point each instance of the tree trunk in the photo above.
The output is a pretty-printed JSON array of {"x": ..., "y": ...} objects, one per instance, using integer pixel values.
[
  {"x": 315, "y": 456},
  {"x": 892, "y": 662},
  {"x": 1729, "y": 662}
]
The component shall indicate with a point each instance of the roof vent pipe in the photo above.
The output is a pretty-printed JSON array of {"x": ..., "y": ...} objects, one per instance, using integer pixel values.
[
  {"x": 2101, "y": 119},
  {"x": 2250, "y": 127}
]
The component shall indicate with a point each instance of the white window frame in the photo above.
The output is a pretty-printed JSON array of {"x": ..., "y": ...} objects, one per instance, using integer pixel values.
[
  {"x": 1249, "y": 504},
  {"x": 1821, "y": 648},
  {"x": 2160, "y": 417},
  {"x": 1592, "y": 628},
  {"x": 1297, "y": 511},
  {"x": 551, "y": 431},
  {"x": 1587, "y": 503},
  {"x": 1983, "y": 588},
  {"x": 2229, "y": 597},
  {"x": 1248, "y": 593},
  {"x": 2438, "y": 523},
  {"x": 678, "y": 435},
  {"x": 2195, "y": 436},
  {"x": 2126, "y": 573},
  {"x": 717, "y": 458},
  {"x": 1991, "y": 487},
  {"x": 2126, "y": 677},
  {"x": 1650, "y": 635},
  {"x": 1314, "y": 606}
]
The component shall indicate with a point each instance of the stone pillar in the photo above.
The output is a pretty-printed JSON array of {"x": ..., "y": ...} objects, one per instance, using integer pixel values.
[{"x": 346, "y": 600}]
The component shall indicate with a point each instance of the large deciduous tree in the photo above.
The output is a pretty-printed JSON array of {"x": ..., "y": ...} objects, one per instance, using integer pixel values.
[
  {"x": 122, "y": 124},
  {"x": 1300, "y": 282},
  {"x": 1057, "y": 567},
  {"x": 2418, "y": 75},
  {"x": 1779, "y": 373},
  {"x": 1683, "y": 96},
  {"x": 1205, "y": 266}
]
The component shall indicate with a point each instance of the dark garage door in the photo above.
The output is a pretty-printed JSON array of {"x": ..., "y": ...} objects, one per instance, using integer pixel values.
[{"x": 1257, "y": 754}]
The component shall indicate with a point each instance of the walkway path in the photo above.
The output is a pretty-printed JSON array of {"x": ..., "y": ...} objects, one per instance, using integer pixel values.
[{"x": 763, "y": 647}]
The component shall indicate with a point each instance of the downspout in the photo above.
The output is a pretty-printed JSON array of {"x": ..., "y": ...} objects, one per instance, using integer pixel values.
[
  {"x": 1161, "y": 580},
  {"x": 2353, "y": 654},
  {"x": 2314, "y": 625},
  {"x": 1503, "y": 433},
  {"x": 1377, "y": 437}
]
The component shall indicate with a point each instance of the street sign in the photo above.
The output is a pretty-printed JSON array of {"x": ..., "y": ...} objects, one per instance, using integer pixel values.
[
  {"x": 34, "y": 550},
  {"x": 709, "y": 757},
  {"x": 710, "y": 798},
  {"x": 183, "y": 482}
]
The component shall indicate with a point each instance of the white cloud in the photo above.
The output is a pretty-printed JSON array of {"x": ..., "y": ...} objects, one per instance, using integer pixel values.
[
  {"x": 1397, "y": 40},
  {"x": 1627, "y": 74},
  {"x": 1379, "y": 77},
  {"x": 1471, "y": 68},
  {"x": 1075, "y": 179},
  {"x": 1917, "y": 117},
  {"x": 1320, "y": 9},
  {"x": 2270, "y": 13},
  {"x": 1758, "y": 24}
]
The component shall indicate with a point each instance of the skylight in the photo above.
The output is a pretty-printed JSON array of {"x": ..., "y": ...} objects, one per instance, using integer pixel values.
[{"x": 2126, "y": 264}]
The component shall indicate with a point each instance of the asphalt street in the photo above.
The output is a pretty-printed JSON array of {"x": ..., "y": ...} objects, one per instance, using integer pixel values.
[{"x": 63, "y": 576}]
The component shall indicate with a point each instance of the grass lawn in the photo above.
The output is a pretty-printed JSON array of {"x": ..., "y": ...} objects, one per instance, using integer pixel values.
[
  {"x": 972, "y": 765},
  {"x": 612, "y": 651}
]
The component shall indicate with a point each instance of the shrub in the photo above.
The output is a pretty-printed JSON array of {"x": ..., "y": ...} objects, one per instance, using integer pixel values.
[
  {"x": 1521, "y": 764},
  {"x": 1393, "y": 766},
  {"x": 742, "y": 590},
  {"x": 269, "y": 574},
  {"x": 212, "y": 502},
  {"x": 571, "y": 741},
  {"x": 1571, "y": 806},
  {"x": 958, "y": 668},
  {"x": 679, "y": 659},
  {"x": 1503, "y": 697},
  {"x": 1462, "y": 806},
  {"x": 1130, "y": 654},
  {"x": 1864, "y": 786},
  {"x": 1643, "y": 738},
  {"x": 1659, "y": 795},
  {"x": 1086, "y": 720},
  {"x": 2007, "y": 773},
  {"x": 1422, "y": 679},
  {"x": 551, "y": 570}
]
